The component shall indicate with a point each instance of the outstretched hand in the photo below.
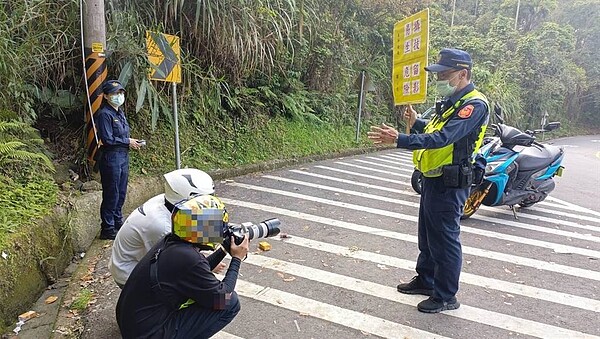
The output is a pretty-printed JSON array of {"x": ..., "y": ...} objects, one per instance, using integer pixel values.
[{"x": 383, "y": 134}]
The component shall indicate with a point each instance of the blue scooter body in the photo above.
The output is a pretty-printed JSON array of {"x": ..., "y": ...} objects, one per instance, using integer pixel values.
[{"x": 519, "y": 170}]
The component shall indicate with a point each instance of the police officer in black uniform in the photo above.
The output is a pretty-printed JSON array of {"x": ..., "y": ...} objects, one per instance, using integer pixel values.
[
  {"x": 443, "y": 152},
  {"x": 113, "y": 132}
]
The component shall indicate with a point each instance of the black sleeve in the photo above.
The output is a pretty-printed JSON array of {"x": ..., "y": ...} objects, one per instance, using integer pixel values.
[
  {"x": 419, "y": 125},
  {"x": 232, "y": 274},
  {"x": 201, "y": 285},
  {"x": 216, "y": 257},
  {"x": 455, "y": 129}
]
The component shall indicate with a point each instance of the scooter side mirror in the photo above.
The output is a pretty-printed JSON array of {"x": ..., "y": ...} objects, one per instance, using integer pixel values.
[
  {"x": 498, "y": 113},
  {"x": 551, "y": 126}
]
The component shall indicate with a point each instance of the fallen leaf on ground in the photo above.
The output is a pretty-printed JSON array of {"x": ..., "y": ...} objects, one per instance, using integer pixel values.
[{"x": 51, "y": 299}]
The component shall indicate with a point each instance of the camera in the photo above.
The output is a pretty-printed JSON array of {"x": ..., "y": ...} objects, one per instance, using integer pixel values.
[{"x": 264, "y": 229}]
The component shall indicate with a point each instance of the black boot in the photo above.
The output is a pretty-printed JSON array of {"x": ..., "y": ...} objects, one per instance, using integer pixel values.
[
  {"x": 108, "y": 234},
  {"x": 415, "y": 286},
  {"x": 432, "y": 305}
]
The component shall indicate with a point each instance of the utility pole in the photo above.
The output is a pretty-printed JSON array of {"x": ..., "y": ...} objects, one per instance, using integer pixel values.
[
  {"x": 517, "y": 15},
  {"x": 94, "y": 63}
]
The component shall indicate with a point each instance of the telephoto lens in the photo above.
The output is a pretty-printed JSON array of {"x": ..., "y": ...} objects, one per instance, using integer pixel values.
[{"x": 264, "y": 229}]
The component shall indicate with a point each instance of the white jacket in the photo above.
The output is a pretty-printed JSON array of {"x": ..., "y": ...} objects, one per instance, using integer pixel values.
[{"x": 143, "y": 228}]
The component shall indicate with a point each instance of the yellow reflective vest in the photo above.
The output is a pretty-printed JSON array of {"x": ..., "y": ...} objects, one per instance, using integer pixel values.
[{"x": 431, "y": 161}]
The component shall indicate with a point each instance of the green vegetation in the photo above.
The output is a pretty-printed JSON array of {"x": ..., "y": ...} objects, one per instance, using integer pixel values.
[
  {"x": 270, "y": 79},
  {"x": 82, "y": 300},
  {"x": 255, "y": 141},
  {"x": 28, "y": 190}
]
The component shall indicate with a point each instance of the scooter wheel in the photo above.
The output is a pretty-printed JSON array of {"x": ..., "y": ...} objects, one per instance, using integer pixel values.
[
  {"x": 415, "y": 181},
  {"x": 472, "y": 204}
]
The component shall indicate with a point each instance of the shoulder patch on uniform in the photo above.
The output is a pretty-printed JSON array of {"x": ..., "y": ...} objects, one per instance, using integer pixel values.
[{"x": 466, "y": 111}]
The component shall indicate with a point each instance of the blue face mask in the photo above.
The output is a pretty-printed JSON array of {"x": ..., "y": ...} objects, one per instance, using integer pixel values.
[{"x": 117, "y": 100}]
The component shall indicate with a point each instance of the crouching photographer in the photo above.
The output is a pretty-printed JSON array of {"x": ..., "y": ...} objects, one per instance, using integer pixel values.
[{"x": 172, "y": 292}]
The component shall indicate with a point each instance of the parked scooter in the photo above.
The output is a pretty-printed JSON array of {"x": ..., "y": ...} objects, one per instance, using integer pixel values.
[{"x": 519, "y": 170}]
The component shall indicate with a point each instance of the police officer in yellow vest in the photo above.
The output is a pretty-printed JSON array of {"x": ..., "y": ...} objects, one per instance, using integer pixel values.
[{"x": 443, "y": 153}]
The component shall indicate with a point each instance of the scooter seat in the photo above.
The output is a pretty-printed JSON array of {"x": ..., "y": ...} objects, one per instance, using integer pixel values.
[{"x": 536, "y": 157}]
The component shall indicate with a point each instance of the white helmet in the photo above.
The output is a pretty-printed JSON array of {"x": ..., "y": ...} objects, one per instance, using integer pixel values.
[{"x": 184, "y": 183}]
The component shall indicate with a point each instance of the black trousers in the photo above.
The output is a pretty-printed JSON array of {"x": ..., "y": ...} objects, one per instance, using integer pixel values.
[
  {"x": 199, "y": 323},
  {"x": 440, "y": 257},
  {"x": 114, "y": 174}
]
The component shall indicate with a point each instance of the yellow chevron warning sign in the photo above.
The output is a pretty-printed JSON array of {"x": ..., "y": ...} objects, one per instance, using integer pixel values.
[{"x": 164, "y": 55}]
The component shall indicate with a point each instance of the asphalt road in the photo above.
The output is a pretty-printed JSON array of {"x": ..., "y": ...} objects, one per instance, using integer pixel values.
[{"x": 352, "y": 238}]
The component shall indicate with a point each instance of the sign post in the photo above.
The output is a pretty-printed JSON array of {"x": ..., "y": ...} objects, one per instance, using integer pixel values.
[
  {"x": 164, "y": 53},
  {"x": 411, "y": 46},
  {"x": 364, "y": 85},
  {"x": 360, "y": 103}
]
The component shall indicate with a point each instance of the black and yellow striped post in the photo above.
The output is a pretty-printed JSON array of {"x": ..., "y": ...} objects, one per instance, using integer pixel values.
[
  {"x": 94, "y": 42},
  {"x": 95, "y": 72}
]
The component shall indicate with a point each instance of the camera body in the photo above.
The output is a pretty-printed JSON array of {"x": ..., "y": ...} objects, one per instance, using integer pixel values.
[{"x": 264, "y": 229}]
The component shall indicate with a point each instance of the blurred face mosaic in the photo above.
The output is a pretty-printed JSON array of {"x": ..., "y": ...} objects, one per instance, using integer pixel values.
[{"x": 200, "y": 220}]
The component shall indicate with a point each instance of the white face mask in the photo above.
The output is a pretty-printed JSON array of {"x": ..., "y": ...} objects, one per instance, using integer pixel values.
[{"x": 117, "y": 100}]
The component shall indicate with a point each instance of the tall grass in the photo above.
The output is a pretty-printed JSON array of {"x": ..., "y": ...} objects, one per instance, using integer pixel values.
[{"x": 39, "y": 51}]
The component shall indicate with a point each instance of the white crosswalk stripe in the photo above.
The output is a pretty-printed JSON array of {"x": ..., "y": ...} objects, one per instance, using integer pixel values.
[
  {"x": 485, "y": 253},
  {"x": 323, "y": 198},
  {"x": 225, "y": 335},
  {"x": 543, "y": 294},
  {"x": 332, "y": 313},
  {"x": 536, "y": 217},
  {"x": 465, "y": 312},
  {"x": 556, "y": 247},
  {"x": 483, "y": 208},
  {"x": 574, "y": 235}
]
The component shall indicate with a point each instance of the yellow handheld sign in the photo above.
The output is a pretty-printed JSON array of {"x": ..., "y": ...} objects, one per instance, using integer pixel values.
[{"x": 411, "y": 46}]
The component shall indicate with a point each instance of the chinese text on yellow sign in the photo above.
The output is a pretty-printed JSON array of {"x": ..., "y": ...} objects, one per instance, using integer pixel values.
[
  {"x": 411, "y": 43},
  {"x": 164, "y": 56}
]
